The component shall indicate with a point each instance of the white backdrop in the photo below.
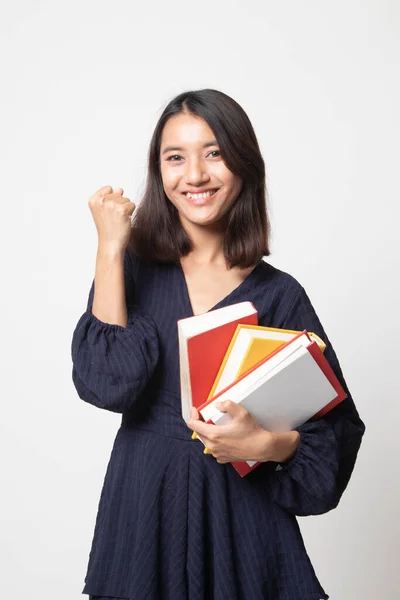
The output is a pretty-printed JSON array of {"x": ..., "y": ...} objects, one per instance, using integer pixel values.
[{"x": 82, "y": 87}]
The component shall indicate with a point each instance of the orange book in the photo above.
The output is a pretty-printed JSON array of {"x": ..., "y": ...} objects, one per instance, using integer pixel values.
[
  {"x": 203, "y": 342},
  {"x": 284, "y": 390}
]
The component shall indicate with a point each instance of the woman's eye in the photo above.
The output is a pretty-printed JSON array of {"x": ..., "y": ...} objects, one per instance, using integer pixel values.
[{"x": 177, "y": 156}]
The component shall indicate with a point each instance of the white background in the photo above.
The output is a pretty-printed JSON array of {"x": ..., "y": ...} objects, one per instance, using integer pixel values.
[{"x": 83, "y": 84}]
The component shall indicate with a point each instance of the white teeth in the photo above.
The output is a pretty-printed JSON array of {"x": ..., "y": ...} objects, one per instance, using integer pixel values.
[{"x": 198, "y": 196}]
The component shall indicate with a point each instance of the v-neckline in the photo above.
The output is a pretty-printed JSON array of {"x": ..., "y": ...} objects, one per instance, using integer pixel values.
[{"x": 236, "y": 290}]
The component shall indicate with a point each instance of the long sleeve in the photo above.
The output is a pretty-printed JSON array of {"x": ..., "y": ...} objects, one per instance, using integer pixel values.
[
  {"x": 313, "y": 481},
  {"x": 112, "y": 364}
]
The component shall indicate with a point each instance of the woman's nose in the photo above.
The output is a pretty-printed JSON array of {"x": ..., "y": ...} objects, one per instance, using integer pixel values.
[{"x": 196, "y": 172}]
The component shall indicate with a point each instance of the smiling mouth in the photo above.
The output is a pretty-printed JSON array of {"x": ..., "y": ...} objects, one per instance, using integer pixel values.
[{"x": 200, "y": 198}]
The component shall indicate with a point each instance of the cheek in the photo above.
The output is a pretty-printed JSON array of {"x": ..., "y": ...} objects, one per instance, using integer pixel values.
[
  {"x": 170, "y": 180},
  {"x": 228, "y": 178}
]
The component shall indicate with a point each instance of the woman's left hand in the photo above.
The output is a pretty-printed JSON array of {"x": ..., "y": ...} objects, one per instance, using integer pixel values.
[{"x": 243, "y": 438}]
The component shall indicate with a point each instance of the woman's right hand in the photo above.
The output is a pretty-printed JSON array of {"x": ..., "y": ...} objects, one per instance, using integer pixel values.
[{"x": 112, "y": 216}]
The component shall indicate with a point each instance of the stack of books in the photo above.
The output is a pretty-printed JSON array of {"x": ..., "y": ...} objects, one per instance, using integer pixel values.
[{"x": 280, "y": 376}]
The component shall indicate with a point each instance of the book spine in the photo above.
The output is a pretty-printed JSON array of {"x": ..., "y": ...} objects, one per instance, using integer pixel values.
[{"x": 325, "y": 367}]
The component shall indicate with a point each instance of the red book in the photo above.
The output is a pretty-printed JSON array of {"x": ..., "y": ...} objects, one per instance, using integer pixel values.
[
  {"x": 203, "y": 342},
  {"x": 284, "y": 390}
]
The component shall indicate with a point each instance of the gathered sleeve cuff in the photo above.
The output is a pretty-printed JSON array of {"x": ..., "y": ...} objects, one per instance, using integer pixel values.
[
  {"x": 112, "y": 364},
  {"x": 313, "y": 481}
]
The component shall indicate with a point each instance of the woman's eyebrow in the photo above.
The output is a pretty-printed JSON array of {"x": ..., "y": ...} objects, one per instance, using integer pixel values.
[{"x": 176, "y": 148}]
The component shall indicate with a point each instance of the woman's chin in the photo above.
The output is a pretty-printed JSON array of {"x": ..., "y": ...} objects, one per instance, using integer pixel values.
[{"x": 214, "y": 223}]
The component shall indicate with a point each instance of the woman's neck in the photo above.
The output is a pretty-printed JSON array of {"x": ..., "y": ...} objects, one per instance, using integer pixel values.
[{"x": 207, "y": 246}]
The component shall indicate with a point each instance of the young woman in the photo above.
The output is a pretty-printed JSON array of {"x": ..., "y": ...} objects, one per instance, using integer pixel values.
[{"x": 174, "y": 523}]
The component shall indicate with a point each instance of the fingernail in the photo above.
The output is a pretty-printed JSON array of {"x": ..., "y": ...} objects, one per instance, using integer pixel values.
[
  {"x": 194, "y": 435},
  {"x": 206, "y": 451}
]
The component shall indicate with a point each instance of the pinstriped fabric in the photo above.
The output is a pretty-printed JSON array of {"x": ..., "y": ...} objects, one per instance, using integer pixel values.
[{"x": 172, "y": 523}]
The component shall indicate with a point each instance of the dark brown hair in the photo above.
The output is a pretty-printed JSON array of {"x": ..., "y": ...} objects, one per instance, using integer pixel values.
[{"x": 157, "y": 232}]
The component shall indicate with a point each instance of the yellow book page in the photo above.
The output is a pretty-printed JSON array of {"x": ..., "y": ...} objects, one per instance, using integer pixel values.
[
  {"x": 314, "y": 336},
  {"x": 222, "y": 367},
  {"x": 258, "y": 349}
]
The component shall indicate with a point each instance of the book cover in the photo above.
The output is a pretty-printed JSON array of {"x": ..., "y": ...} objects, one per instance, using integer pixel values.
[
  {"x": 289, "y": 392},
  {"x": 203, "y": 341},
  {"x": 249, "y": 345}
]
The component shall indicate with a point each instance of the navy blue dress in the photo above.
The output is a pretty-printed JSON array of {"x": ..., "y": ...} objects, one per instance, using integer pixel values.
[{"x": 172, "y": 523}]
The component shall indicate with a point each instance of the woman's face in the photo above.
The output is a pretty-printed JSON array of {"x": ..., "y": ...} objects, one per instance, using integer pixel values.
[{"x": 191, "y": 164}]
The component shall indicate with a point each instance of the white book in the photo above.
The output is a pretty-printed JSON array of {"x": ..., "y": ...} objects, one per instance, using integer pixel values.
[
  {"x": 282, "y": 393},
  {"x": 243, "y": 339}
]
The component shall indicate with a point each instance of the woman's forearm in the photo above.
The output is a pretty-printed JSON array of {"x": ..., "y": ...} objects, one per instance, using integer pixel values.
[{"x": 109, "y": 304}]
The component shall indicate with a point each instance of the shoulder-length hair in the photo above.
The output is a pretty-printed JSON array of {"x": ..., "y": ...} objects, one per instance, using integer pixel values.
[{"x": 157, "y": 232}]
